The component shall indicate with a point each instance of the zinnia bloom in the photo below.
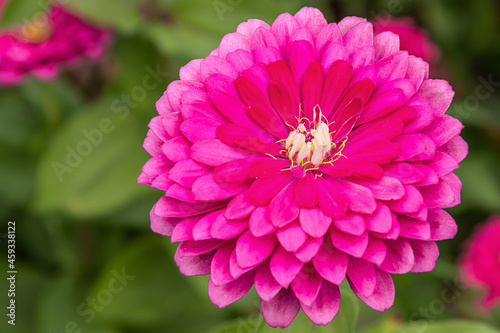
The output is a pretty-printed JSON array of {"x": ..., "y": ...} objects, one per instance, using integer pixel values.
[
  {"x": 412, "y": 38},
  {"x": 300, "y": 154},
  {"x": 39, "y": 48},
  {"x": 480, "y": 261}
]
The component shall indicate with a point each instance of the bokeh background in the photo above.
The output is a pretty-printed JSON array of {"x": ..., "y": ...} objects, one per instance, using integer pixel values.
[{"x": 85, "y": 256}]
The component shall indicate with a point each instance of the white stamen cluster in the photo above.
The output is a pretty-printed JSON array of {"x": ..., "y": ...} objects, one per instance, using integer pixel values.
[{"x": 312, "y": 146}]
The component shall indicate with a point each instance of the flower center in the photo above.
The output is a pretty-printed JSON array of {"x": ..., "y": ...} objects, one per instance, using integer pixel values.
[
  {"x": 34, "y": 32},
  {"x": 311, "y": 145}
]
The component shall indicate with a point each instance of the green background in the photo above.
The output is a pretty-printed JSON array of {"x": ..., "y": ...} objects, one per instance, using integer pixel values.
[{"x": 76, "y": 232}]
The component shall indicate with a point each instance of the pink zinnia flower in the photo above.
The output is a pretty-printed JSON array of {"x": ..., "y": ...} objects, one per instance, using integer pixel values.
[
  {"x": 480, "y": 261},
  {"x": 300, "y": 154},
  {"x": 40, "y": 48},
  {"x": 412, "y": 38}
]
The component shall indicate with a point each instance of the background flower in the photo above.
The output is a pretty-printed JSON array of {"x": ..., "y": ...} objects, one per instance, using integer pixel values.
[
  {"x": 71, "y": 148},
  {"x": 40, "y": 47},
  {"x": 412, "y": 38},
  {"x": 480, "y": 260},
  {"x": 301, "y": 153}
]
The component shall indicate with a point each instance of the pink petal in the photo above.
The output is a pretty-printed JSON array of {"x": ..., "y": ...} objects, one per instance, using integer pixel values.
[
  {"x": 309, "y": 249},
  {"x": 362, "y": 275},
  {"x": 265, "y": 284},
  {"x": 175, "y": 90},
  {"x": 441, "y": 195},
  {"x": 240, "y": 59},
  {"x": 380, "y": 220},
  {"x": 386, "y": 188},
  {"x": 358, "y": 36},
  {"x": 251, "y": 250},
  {"x": 191, "y": 248},
  {"x": 230, "y": 292},
  {"x": 213, "y": 65},
  {"x": 191, "y": 71},
  {"x": 413, "y": 228},
  {"x": 186, "y": 172},
  {"x": 352, "y": 223},
  {"x": 162, "y": 225},
  {"x": 223, "y": 228},
  {"x": 418, "y": 71},
  {"x": 456, "y": 148},
  {"x": 442, "y": 224},
  {"x": 283, "y": 208},
  {"x": 306, "y": 191},
  {"x": 383, "y": 296},
  {"x": 281, "y": 310},
  {"x": 385, "y": 44},
  {"x": 443, "y": 129},
  {"x": 206, "y": 189},
  {"x": 214, "y": 153},
  {"x": 240, "y": 207},
  {"x": 347, "y": 23},
  {"x": 314, "y": 222},
  {"x": 375, "y": 251},
  {"x": 328, "y": 34},
  {"x": 263, "y": 190},
  {"x": 426, "y": 254},
  {"x": 284, "y": 266},
  {"x": 312, "y": 88},
  {"x": 439, "y": 93},
  {"x": 260, "y": 224},
  {"x": 201, "y": 230},
  {"x": 325, "y": 306},
  {"x": 331, "y": 204},
  {"x": 311, "y": 18},
  {"x": 291, "y": 237},
  {"x": 393, "y": 67},
  {"x": 350, "y": 244},
  {"x": 399, "y": 258},
  {"x": 301, "y": 55},
  {"x": 220, "y": 273},
  {"x": 199, "y": 128},
  {"x": 411, "y": 202},
  {"x": 232, "y": 42},
  {"x": 169, "y": 207},
  {"x": 194, "y": 265},
  {"x": 282, "y": 28},
  {"x": 306, "y": 285},
  {"x": 331, "y": 264}
]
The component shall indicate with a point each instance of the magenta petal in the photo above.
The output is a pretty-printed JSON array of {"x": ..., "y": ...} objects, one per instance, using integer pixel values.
[
  {"x": 201, "y": 229},
  {"x": 260, "y": 224},
  {"x": 362, "y": 275},
  {"x": 265, "y": 284},
  {"x": 413, "y": 228},
  {"x": 301, "y": 55},
  {"x": 162, "y": 225},
  {"x": 220, "y": 273},
  {"x": 214, "y": 153},
  {"x": 232, "y": 42},
  {"x": 443, "y": 128},
  {"x": 212, "y": 65},
  {"x": 385, "y": 44},
  {"x": 186, "y": 172},
  {"x": 326, "y": 305},
  {"x": 284, "y": 266},
  {"x": 330, "y": 203},
  {"x": 306, "y": 285},
  {"x": 359, "y": 36},
  {"x": 282, "y": 28},
  {"x": 191, "y": 248},
  {"x": 280, "y": 310},
  {"x": 383, "y": 296},
  {"x": 306, "y": 191},
  {"x": 309, "y": 249},
  {"x": 411, "y": 202},
  {"x": 352, "y": 223},
  {"x": 230, "y": 292},
  {"x": 441, "y": 195},
  {"x": 439, "y": 93},
  {"x": 314, "y": 222},
  {"x": 393, "y": 67},
  {"x": 169, "y": 207},
  {"x": 327, "y": 35},
  {"x": 442, "y": 224},
  {"x": 350, "y": 244},
  {"x": 426, "y": 254},
  {"x": 283, "y": 209},
  {"x": 235, "y": 269},
  {"x": 240, "y": 207},
  {"x": 223, "y": 228},
  {"x": 191, "y": 71},
  {"x": 380, "y": 220},
  {"x": 251, "y": 250},
  {"x": 206, "y": 189},
  {"x": 194, "y": 265},
  {"x": 265, "y": 189},
  {"x": 399, "y": 258},
  {"x": 375, "y": 251},
  {"x": 331, "y": 264},
  {"x": 291, "y": 236},
  {"x": 456, "y": 148},
  {"x": 184, "y": 229}
]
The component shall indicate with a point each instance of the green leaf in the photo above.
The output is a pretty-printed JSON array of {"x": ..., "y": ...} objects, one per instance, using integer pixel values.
[
  {"x": 91, "y": 165},
  {"x": 24, "y": 11}
]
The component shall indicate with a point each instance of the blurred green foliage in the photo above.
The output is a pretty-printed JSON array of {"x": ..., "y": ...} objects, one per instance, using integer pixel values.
[{"x": 77, "y": 229}]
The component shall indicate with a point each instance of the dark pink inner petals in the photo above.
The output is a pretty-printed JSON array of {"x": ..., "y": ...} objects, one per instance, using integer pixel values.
[
  {"x": 283, "y": 103},
  {"x": 306, "y": 191},
  {"x": 362, "y": 89},
  {"x": 280, "y": 72},
  {"x": 312, "y": 88},
  {"x": 257, "y": 145},
  {"x": 266, "y": 167},
  {"x": 345, "y": 119},
  {"x": 233, "y": 171},
  {"x": 263, "y": 190},
  {"x": 335, "y": 83},
  {"x": 270, "y": 121}
]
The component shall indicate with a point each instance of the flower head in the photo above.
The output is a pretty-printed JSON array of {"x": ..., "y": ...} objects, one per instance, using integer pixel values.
[
  {"x": 301, "y": 154},
  {"x": 480, "y": 261},
  {"x": 40, "y": 47},
  {"x": 412, "y": 38}
]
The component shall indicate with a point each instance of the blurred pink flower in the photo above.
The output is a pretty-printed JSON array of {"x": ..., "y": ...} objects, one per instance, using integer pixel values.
[
  {"x": 300, "y": 154},
  {"x": 40, "y": 48},
  {"x": 480, "y": 260},
  {"x": 412, "y": 38}
]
